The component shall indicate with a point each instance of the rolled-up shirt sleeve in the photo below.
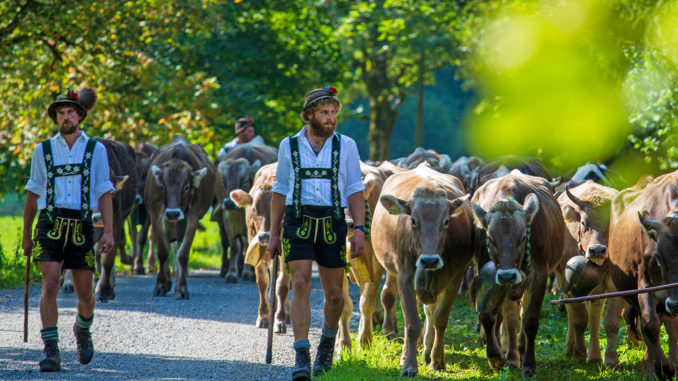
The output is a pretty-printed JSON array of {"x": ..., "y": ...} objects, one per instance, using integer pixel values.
[
  {"x": 37, "y": 183},
  {"x": 282, "y": 175},
  {"x": 100, "y": 179},
  {"x": 354, "y": 182}
]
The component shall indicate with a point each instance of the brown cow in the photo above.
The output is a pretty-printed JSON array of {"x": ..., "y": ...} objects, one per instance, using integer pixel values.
[
  {"x": 586, "y": 210},
  {"x": 236, "y": 170},
  {"x": 422, "y": 235},
  {"x": 524, "y": 235},
  {"x": 643, "y": 243},
  {"x": 180, "y": 188},
  {"x": 143, "y": 152},
  {"x": 121, "y": 162},
  {"x": 258, "y": 231}
]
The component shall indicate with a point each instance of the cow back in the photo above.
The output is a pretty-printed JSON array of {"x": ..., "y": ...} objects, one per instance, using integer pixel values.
[{"x": 122, "y": 162}]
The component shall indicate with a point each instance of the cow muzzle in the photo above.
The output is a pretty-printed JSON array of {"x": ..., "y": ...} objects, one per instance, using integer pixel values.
[
  {"x": 596, "y": 254},
  {"x": 228, "y": 204},
  {"x": 264, "y": 237},
  {"x": 671, "y": 306},
  {"x": 510, "y": 276},
  {"x": 429, "y": 262},
  {"x": 97, "y": 220},
  {"x": 174, "y": 214}
]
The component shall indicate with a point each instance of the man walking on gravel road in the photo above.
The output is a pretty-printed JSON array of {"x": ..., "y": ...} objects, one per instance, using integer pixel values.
[
  {"x": 318, "y": 175},
  {"x": 69, "y": 179}
]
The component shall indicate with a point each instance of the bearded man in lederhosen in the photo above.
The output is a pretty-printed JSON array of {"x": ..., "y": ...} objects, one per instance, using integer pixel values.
[
  {"x": 69, "y": 179},
  {"x": 318, "y": 175}
]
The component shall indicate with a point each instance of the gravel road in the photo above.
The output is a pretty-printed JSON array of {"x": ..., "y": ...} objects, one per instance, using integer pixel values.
[{"x": 141, "y": 337}]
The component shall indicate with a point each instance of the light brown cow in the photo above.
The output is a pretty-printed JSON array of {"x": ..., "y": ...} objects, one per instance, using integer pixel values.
[
  {"x": 643, "y": 243},
  {"x": 180, "y": 188},
  {"x": 258, "y": 212},
  {"x": 422, "y": 235},
  {"x": 236, "y": 170},
  {"x": 586, "y": 210},
  {"x": 524, "y": 235}
]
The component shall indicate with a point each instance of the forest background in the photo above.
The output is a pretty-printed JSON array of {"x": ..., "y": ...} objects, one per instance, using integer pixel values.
[{"x": 567, "y": 81}]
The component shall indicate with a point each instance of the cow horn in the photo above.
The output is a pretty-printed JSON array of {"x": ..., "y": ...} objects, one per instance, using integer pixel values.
[
  {"x": 581, "y": 204},
  {"x": 650, "y": 224}
]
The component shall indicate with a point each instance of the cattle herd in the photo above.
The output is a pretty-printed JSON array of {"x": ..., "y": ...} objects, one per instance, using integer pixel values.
[{"x": 432, "y": 222}]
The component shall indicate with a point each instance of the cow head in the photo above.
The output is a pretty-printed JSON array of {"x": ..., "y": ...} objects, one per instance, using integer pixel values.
[
  {"x": 236, "y": 174},
  {"x": 430, "y": 212},
  {"x": 258, "y": 216},
  {"x": 593, "y": 222},
  {"x": 506, "y": 228},
  {"x": 143, "y": 161},
  {"x": 176, "y": 182},
  {"x": 663, "y": 262}
]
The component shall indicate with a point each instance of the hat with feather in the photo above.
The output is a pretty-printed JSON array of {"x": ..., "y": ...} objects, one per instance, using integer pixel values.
[{"x": 83, "y": 101}]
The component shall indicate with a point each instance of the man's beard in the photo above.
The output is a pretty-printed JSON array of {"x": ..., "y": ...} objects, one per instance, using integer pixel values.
[
  {"x": 67, "y": 129},
  {"x": 319, "y": 130}
]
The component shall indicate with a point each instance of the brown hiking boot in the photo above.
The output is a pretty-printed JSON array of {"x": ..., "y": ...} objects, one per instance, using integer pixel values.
[
  {"x": 83, "y": 339},
  {"x": 323, "y": 359},
  {"x": 52, "y": 360},
  {"x": 302, "y": 366}
]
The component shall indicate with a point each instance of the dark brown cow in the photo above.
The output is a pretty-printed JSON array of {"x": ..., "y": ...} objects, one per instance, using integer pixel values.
[
  {"x": 121, "y": 162},
  {"x": 643, "y": 243},
  {"x": 259, "y": 231},
  {"x": 524, "y": 232},
  {"x": 422, "y": 235},
  {"x": 180, "y": 188},
  {"x": 586, "y": 210},
  {"x": 143, "y": 152},
  {"x": 503, "y": 165},
  {"x": 236, "y": 170}
]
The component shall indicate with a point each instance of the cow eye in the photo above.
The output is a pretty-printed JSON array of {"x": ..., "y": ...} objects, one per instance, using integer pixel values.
[
  {"x": 584, "y": 227},
  {"x": 414, "y": 222}
]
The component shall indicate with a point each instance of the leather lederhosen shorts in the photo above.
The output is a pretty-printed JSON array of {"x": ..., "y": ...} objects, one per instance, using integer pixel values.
[
  {"x": 316, "y": 236},
  {"x": 70, "y": 240}
]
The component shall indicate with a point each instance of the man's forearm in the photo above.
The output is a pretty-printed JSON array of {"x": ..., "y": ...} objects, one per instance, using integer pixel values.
[
  {"x": 106, "y": 208},
  {"x": 277, "y": 212},
  {"x": 30, "y": 210},
  {"x": 356, "y": 204}
]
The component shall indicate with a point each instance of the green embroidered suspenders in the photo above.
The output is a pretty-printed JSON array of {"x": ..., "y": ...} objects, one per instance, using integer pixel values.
[
  {"x": 331, "y": 174},
  {"x": 54, "y": 171}
]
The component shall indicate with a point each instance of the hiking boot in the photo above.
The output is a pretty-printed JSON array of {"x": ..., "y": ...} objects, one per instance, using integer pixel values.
[
  {"x": 83, "y": 340},
  {"x": 302, "y": 366},
  {"x": 323, "y": 359},
  {"x": 52, "y": 360}
]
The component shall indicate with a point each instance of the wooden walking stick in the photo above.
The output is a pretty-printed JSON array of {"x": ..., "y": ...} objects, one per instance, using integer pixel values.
[
  {"x": 271, "y": 305},
  {"x": 28, "y": 276},
  {"x": 613, "y": 294}
]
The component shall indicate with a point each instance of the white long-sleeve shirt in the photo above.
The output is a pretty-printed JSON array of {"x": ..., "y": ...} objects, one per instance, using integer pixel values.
[
  {"x": 317, "y": 191},
  {"x": 68, "y": 188}
]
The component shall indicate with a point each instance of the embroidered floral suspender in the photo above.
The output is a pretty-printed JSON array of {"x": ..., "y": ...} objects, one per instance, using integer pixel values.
[
  {"x": 54, "y": 171},
  {"x": 331, "y": 174}
]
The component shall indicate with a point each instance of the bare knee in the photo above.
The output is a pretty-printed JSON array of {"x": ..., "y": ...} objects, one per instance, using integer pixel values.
[{"x": 301, "y": 285}]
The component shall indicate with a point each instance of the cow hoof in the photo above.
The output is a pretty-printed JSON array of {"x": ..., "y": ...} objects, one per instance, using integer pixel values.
[
  {"x": 249, "y": 277},
  {"x": 181, "y": 296},
  {"x": 262, "y": 323},
  {"x": 67, "y": 289},
  {"x": 222, "y": 273},
  {"x": 436, "y": 365},
  {"x": 496, "y": 364},
  {"x": 280, "y": 328},
  {"x": 140, "y": 271},
  {"x": 230, "y": 278},
  {"x": 408, "y": 373},
  {"x": 159, "y": 291},
  {"x": 105, "y": 296}
]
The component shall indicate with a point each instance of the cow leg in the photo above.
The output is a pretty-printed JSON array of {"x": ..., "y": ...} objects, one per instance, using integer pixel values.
[
  {"x": 657, "y": 363},
  {"x": 282, "y": 313},
  {"x": 631, "y": 321},
  {"x": 671, "y": 325},
  {"x": 388, "y": 299},
  {"x": 343, "y": 336},
  {"x": 611, "y": 320},
  {"x": 104, "y": 288},
  {"x": 163, "y": 281},
  {"x": 120, "y": 243},
  {"x": 429, "y": 332},
  {"x": 412, "y": 322},
  {"x": 181, "y": 289},
  {"x": 441, "y": 315},
  {"x": 224, "y": 249},
  {"x": 577, "y": 320},
  {"x": 532, "y": 300},
  {"x": 236, "y": 249},
  {"x": 494, "y": 355},
  {"x": 67, "y": 282},
  {"x": 152, "y": 267},
  {"x": 595, "y": 312},
  {"x": 262, "y": 274},
  {"x": 368, "y": 301},
  {"x": 132, "y": 231},
  {"x": 510, "y": 323}
]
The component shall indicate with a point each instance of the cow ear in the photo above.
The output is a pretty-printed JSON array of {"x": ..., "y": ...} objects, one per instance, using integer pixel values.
[
  {"x": 255, "y": 167},
  {"x": 456, "y": 206},
  {"x": 531, "y": 207},
  {"x": 157, "y": 174},
  {"x": 479, "y": 216},
  {"x": 569, "y": 214},
  {"x": 394, "y": 205},
  {"x": 120, "y": 182},
  {"x": 198, "y": 175},
  {"x": 241, "y": 198},
  {"x": 651, "y": 227}
]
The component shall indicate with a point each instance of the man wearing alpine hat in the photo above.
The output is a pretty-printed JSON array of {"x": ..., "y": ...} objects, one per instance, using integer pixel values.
[
  {"x": 69, "y": 179},
  {"x": 318, "y": 175}
]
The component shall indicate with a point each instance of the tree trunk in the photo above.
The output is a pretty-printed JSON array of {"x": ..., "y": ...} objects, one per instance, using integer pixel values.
[
  {"x": 382, "y": 121},
  {"x": 419, "y": 126}
]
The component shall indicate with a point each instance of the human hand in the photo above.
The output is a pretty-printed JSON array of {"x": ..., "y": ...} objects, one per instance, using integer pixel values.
[
  {"x": 357, "y": 242},
  {"x": 27, "y": 245},
  {"x": 106, "y": 243},
  {"x": 274, "y": 247}
]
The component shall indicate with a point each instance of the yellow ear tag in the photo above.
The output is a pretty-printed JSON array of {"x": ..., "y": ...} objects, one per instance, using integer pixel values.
[{"x": 393, "y": 209}]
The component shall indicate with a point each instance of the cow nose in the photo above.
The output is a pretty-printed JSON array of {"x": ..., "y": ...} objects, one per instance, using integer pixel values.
[
  {"x": 672, "y": 306},
  {"x": 229, "y": 204},
  {"x": 349, "y": 223},
  {"x": 511, "y": 276},
  {"x": 174, "y": 214},
  {"x": 264, "y": 237},
  {"x": 596, "y": 251},
  {"x": 429, "y": 262},
  {"x": 97, "y": 221}
]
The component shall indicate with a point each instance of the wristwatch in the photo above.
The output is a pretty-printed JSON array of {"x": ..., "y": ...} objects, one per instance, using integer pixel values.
[{"x": 360, "y": 227}]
